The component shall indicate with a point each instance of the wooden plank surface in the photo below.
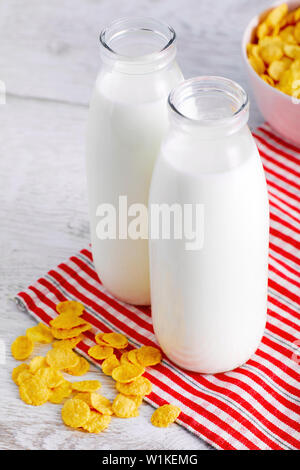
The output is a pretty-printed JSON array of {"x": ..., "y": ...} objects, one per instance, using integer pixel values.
[{"x": 48, "y": 61}]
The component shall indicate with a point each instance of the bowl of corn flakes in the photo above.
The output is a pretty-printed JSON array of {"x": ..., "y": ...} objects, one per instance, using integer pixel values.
[{"x": 271, "y": 52}]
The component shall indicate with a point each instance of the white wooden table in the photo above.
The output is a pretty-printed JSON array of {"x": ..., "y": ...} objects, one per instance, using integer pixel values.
[{"x": 49, "y": 56}]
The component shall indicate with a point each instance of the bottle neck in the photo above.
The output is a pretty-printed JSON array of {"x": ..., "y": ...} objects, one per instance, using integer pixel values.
[
  {"x": 209, "y": 107},
  {"x": 137, "y": 45}
]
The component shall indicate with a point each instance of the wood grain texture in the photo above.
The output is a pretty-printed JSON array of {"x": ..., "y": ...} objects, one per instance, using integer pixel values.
[{"x": 48, "y": 61}]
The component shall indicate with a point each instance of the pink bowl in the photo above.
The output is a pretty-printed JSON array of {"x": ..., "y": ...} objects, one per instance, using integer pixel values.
[{"x": 281, "y": 111}]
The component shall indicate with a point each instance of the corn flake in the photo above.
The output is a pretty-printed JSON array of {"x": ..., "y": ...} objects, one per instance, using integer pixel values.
[
  {"x": 86, "y": 385},
  {"x": 23, "y": 376},
  {"x": 96, "y": 402},
  {"x": 116, "y": 340},
  {"x": 51, "y": 377},
  {"x": 276, "y": 69},
  {"x": 124, "y": 407},
  {"x": 34, "y": 392},
  {"x": 277, "y": 15},
  {"x": 62, "y": 358},
  {"x": 263, "y": 29},
  {"x": 109, "y": 364},
  {"x": 75, "y": 413},
  {"x": 124, "y": 358},
  {"x": 16, "y": 371},
  {"x": 68, "y": 343},
  {"x": 59, "y": 393},
  {"x": 71, "y": 306},
  {"x": 97, "y": 422},
  {"x": 132, "y": 357},
  {"x": 292, "y": 51},
  {"x": 140, "y": 386},
  {"x": 100, "y": 403},
  {"x": 66, "y": 321},
  {"x": 270, "y": 52},
  {"x": 149, "y": 356},
  {"x": 36, "y": 363},
  {"x": 40, "y": 333},
  {"x": 165, "y": 415},
  {"x": 257, "y": 64},
  {"x": 60, "y": 333},
  {"x": 98, "y": 339},
  {"x": 138, "y": 400},
  {"x": 100, "y": 352},
  {"x": 21, "y": 348},
  {"x": 127, "y": 373},
  {"x": 79, "y": 369},
  {"x": 297, "y": 31}
]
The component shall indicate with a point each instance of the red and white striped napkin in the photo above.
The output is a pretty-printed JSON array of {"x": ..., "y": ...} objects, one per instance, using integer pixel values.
[{"x": 253, "y": 407}]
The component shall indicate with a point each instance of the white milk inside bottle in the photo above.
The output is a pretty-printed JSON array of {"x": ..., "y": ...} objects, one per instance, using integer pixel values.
[
  {"x": 209, "y": 300},
  {"x": 127, "y": 120}
]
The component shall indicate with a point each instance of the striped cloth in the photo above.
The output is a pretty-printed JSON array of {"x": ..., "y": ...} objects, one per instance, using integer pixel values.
[{"x": 253, "y": 407}]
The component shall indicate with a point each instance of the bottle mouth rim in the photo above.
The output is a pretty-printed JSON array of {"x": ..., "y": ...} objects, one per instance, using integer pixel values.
[
  {"x": 192, "y": 86},
  {"x": 127, "y": 25}
]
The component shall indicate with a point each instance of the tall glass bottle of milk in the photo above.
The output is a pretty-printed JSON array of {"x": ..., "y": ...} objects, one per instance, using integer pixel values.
[
  {"x": 127, "y": 120},
  {"x": 209, "y": 284}
]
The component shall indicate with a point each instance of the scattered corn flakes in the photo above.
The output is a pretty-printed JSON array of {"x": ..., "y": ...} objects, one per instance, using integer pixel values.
[
  {"x": 34, "y": 392},
  {"x": 100, "y": 352},
  {"x": 116, "y": 340},
  {"x": 149, "y": 356},
  {"x": 40, "y": 333},
  {"x": 109, "y": 364},
  {"x": 123, "y": 406},
  {"x": 42, "y": 380},
  {"x": 79, "y": 369},
  {"x": 75, "y": 413},
  {"x": 140, "y": 386},
  {"x": 165, "y": 415},
  {"x": 62, "y": 358},
  {"x": 21, "y": 348},
  {"x": 86, "y": 385},
  {"x": 70, "y": 306},
  {"x": 97, "y": 422},
  {"x": 127, "y": 373}
]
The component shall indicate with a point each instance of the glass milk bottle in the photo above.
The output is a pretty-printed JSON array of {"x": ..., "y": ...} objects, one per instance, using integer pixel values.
[
  {"x": 127, "y": 120},
  {"x": 209, "y": 287}
]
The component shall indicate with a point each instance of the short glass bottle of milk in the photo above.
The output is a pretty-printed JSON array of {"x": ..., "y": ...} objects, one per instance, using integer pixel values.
[
  {"x": 209, "y": 296},
  {"x": 128, "y": 118}
]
